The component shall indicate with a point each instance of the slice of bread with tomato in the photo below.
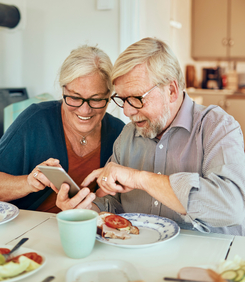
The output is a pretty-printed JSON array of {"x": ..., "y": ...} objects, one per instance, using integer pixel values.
[{"x": 113, "y": 226}]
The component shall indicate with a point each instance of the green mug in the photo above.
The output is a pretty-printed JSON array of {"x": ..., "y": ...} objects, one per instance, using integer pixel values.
[{"x": 77, "y": 230}]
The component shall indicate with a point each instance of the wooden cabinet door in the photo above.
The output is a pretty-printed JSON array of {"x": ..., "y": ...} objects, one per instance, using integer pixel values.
[
  {"x": 237, "y": 29},
  {"x": 209, "y": 29}
]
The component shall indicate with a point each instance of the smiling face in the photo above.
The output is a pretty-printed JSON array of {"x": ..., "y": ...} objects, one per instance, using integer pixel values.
[
  {"x": 155, "y": 116},
  {"x": 85, "y": 119}
]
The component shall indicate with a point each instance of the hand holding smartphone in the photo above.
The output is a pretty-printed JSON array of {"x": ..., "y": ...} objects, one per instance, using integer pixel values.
[{"x": 58, "y": 176}]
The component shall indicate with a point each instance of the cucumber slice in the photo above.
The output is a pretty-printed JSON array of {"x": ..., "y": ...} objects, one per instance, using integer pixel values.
[
  {"x": 243, "y": 279},
  {"x": 240, "y": 274},
  {"x": 229, "y": 274}
]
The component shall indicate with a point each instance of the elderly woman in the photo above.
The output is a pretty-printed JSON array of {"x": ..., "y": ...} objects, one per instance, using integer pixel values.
[{"x": 75, "y": 133}]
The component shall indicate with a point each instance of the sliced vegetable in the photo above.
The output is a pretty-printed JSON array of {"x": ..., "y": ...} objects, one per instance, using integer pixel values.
[
  {"x": 240, "y": 274},
  {"x": 229, "y": 274},
  {"x": 4, "y": 251},
  {"x": 33, "y": 256},
  {"x": 2, "y": 259},
  {"x": 116, "y": 221},
  {"x": 11, "y": 269}
]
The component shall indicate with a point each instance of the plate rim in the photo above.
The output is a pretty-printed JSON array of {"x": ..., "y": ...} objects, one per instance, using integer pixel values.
[
  {"x": 71, "y": 270},
  {"x": 98, "y": 237},
  {"x": 15, "y": 214},
  {"x": 18, "y": 252}
]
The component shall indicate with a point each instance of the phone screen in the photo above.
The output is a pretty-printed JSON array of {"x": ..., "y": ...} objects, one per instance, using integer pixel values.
[{"x": 57, "y": 176}]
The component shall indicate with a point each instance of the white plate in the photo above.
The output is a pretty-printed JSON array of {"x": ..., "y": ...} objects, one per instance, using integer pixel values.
[
  {"x": 153, "y": 230},
  {"x": 7, "y": 212},
  {"x": 19, "y": 252},
  {"x": 103, "y": 271}
]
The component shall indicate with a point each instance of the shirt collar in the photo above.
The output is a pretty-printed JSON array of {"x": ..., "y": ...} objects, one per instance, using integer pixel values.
[{"x": 184, "y": 116}]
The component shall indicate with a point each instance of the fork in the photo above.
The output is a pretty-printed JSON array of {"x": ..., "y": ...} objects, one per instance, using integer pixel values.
[{"x": 20, "y": 243}]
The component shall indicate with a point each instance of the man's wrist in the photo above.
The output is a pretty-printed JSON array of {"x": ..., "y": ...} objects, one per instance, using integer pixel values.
[{"x": 141, "y": 179}]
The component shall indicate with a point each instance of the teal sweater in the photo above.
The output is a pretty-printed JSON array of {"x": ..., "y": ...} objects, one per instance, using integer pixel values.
[{"x": 37, "y": 135}]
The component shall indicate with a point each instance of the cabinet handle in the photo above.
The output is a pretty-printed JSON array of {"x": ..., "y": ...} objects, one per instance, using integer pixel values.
[
  {"x": 225, "y": 41},
  {"x": 231, "y": 42}
]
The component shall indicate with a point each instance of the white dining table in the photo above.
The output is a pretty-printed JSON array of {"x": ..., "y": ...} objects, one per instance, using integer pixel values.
[{"x": 189, "y": 248}]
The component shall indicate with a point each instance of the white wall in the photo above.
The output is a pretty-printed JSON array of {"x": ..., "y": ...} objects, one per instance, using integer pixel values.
[
  {"x": 154, "y": 19},
  {"x": 32, "y": 53}
]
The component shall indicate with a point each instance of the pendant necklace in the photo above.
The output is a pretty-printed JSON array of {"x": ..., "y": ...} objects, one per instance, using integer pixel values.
[{"x": 83, "y": 140}]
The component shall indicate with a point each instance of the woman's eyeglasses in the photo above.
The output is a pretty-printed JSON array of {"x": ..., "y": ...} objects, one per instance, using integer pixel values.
[{"x": 94, "y": 103}]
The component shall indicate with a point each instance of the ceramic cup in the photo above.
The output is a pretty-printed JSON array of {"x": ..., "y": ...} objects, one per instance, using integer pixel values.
[{"x": 77, "y": 230}]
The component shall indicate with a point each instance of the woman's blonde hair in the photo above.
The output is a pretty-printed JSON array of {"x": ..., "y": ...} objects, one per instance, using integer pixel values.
[
  {"x": 162, "y": 65},
  {"x": 83, "y": 61}
]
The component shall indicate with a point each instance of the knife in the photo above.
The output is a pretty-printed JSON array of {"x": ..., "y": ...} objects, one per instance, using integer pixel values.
[
  {"x": 186, "y": 280},
  {"x": 48, "y": 279}
]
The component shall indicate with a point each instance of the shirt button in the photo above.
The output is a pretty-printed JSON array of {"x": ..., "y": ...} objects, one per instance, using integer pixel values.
[
  {"x": 159, "y": 172},
  {"x": 161, "y": 146},
  {"x": 156, "y": 203}
]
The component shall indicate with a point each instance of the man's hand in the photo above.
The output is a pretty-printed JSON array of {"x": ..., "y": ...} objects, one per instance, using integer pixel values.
[
  {"x": 113, "y": 178},
  {"x": 82, "y": 200}
]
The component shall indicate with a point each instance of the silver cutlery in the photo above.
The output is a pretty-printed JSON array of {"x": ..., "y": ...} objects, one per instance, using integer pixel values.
[
  {"x": 186, "y": 280},
  {"x": 5, "y": 257},
  {"x": 48, "y": 279}
]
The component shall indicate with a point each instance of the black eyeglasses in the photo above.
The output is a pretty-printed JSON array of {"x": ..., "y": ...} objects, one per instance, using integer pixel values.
[
  {"x": 134, "y": 101},
  {"x": 93, "y": 103}
]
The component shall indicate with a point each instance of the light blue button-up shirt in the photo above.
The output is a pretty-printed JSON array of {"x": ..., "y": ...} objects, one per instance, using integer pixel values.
[{"x": 203, "y": 153}]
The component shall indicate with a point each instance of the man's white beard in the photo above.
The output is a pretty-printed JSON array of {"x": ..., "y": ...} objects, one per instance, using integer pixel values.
[{"x": 153, "y": 129}]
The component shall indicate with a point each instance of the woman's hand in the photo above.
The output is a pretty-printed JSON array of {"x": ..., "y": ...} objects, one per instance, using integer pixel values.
[
  {"x": 38, "y": 181},
  {"x": 82, "y": 200}
]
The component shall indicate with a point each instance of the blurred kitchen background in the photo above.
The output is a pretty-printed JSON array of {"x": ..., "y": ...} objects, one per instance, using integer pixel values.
[{"x": 206, "y": 35}]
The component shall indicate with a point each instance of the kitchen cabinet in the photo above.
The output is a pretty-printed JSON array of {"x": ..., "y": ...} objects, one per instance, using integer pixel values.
[
  {"x": 233, "y": 104},
  {"x": 218, "y": 30}
]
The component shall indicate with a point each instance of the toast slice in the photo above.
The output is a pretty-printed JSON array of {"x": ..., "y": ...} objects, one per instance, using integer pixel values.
[{"x": 114, "y": 233}]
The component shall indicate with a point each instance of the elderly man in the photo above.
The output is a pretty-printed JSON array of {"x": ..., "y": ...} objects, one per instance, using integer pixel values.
[{"x": 176, "y": 159}]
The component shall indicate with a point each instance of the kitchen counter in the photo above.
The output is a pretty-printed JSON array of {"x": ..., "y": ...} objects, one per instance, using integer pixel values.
[{"x": 199, "y": 91}]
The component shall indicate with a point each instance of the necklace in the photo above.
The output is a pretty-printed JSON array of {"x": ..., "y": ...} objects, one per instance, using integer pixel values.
[{"x": 83, "y": 140}]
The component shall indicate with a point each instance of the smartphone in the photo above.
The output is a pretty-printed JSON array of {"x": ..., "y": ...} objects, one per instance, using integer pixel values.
[{"x": 57, "y": 175}]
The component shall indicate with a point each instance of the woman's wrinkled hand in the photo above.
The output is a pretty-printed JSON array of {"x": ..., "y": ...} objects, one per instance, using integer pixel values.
[
  {"x": 37, "y": 180},
  {"x": 82, "y": 200}
]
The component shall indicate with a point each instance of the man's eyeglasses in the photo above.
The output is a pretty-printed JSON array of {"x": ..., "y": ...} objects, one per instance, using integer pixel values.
[
  {"x": 134, "y": 101},
  {"x": 77, "y": 102}
]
